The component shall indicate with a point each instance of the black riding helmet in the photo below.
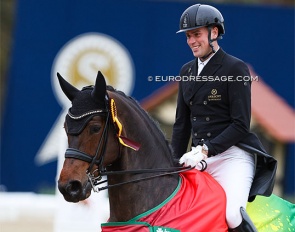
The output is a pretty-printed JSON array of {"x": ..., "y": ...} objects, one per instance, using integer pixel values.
[{"x": 201, "y": 16}]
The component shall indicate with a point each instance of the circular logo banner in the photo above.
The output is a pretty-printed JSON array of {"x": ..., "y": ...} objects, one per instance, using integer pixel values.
[{"x": 82, "y": 57}]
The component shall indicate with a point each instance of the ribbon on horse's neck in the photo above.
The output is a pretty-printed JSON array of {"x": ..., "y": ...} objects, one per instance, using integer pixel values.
[
  {"x": 118, "y": 125},
  {"x": 123, "y": 140},
  {"x": 102, "y": 143}
]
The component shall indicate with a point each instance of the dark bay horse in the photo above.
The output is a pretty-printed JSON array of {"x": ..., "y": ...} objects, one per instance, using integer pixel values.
[{"x": 110, "y": 134}]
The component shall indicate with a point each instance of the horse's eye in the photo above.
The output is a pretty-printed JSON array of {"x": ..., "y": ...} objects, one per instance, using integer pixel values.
[{"x": 94, "y": 129}]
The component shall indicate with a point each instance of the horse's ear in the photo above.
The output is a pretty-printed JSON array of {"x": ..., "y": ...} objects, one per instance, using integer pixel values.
[
  {"x": 69, "y": 90},
  {"x": 99, "y": 91}
]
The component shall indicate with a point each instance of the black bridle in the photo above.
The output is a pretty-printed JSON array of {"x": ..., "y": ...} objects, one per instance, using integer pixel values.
[{"x": 94, "y": 177}]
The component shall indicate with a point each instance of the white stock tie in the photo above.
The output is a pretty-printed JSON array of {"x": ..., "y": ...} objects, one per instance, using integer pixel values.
[{"x": 200, "y": 67}]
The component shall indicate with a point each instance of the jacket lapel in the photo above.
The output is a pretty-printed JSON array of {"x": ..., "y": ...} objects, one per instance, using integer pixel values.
[
  {"x": 188, "y": 86},
  {"x": 209, "y": 70}
]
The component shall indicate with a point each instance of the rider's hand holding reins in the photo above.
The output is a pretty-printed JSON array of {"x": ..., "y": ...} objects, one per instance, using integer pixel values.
[{"x": 193, "y": 157}]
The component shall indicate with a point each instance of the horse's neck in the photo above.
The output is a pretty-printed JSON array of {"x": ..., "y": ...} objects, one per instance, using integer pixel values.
[{"x": 130, "y": 200}]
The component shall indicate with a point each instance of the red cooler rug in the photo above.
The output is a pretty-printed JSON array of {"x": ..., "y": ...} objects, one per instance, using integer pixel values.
[{"x": 196, "y": 205}]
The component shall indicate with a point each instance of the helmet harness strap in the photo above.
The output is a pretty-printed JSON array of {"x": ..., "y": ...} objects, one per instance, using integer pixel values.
[{"x": 210, "y": 43}]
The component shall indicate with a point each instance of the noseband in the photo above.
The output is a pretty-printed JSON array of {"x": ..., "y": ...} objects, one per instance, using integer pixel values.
[{"x": 95, "y": 177}]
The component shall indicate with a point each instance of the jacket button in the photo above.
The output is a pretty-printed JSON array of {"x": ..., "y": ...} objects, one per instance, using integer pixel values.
[
  {"x": 207, "y": 119},
  {"x": 208, "y": 134},
  {"x": 194, "y": 118},
  {"x": 195, "y": 134},
  {"x": 191, "y": 103},
  {"x": 205, "y": 102}
]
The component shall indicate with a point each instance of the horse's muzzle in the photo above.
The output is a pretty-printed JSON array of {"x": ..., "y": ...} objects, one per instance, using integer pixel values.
[{"x": 74, "y": 191}]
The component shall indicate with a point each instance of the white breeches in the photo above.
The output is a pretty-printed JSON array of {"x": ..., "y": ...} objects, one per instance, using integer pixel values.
[{"x": 234, "y": 170}]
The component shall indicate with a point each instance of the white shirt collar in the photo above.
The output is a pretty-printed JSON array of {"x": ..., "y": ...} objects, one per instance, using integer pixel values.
[{"x": 207, "y": 60}]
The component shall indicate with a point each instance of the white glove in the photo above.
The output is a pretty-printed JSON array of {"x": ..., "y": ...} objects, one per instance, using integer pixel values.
[{"x": 193, "y": 157}]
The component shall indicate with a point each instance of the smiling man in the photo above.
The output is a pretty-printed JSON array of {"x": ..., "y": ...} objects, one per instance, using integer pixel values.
[
  {"x": 216, "y": 115},
  {"x": 197, "y": 39}
]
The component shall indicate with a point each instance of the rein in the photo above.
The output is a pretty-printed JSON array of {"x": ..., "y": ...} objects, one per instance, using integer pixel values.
[
  {"x": 96, "y": 180},
  {"x": 168, "y": 171}
]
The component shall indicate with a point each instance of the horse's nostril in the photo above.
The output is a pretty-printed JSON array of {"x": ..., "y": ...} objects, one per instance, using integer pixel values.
[
  {"x": 72, "y": 191},
  {"x": 74, "y": 187}
]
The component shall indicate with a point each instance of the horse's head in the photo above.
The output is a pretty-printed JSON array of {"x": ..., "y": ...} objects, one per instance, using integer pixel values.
[
  {"x": 101, "y": 126},
  {"x": 88, "y": 130}
]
